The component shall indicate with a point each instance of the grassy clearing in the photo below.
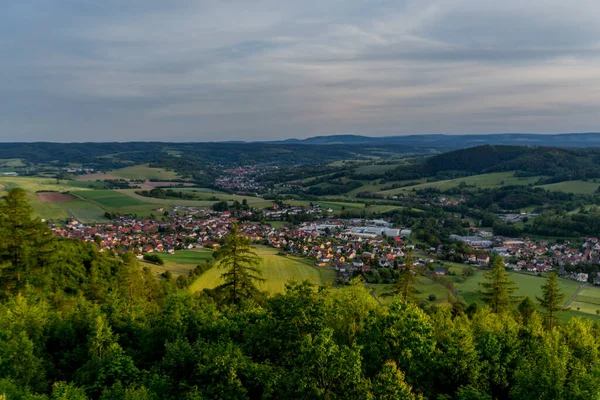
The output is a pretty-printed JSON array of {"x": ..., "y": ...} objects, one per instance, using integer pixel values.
[
  {"x": 576, "y": 187},
  {"x": 144, "y": 171},
  {"x": 277, "y": 270},
  {"x": 424, "y": 288}
]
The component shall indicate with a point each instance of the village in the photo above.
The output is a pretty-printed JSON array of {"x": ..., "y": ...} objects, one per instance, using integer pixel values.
[{"x": 350, "y": 246}]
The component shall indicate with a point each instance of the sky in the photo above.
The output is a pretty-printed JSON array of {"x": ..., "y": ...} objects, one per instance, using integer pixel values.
[{"x": 178, "y": 70}]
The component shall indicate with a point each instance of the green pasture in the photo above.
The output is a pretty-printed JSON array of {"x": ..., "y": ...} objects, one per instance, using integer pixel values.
[
  {"x": 483, "y": 181},
  {"x": 144, "y": 171},
  {"x": 193, "y": 257},
  {"x": 83, "y": 211},
  {"x": 576, "y": 187},
  {"x": 110, "y": 198},
  {"x": 277, "y": 270},
  {"x": 252, "y": 201}
]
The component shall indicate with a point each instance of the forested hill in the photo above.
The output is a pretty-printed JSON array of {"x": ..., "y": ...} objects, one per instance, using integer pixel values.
[
  {"x": 559, "y": 163},
  {"x": 198, "y": 155},
  {"x": 450, "y": 142}
]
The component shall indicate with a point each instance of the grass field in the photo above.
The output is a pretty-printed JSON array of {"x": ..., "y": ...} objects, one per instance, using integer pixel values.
[
  {"x": 277, "y": 270},
  {"x": 252, "y": 201},
  {"x": 376, "y": 168},
  {"x": 84, "y": 211},
  {"x": 424, "y": 287},
  {"x": 527, "y": 285},
  {"x": 31, "y": 185},
  {"x": 193, "y": 257},
  {"x": 110, "y": 198},
  {"x": 588, "y": 301},
  {"x": 491, "y": 180},
  {"x": 576, "y": 187},
  {"x": 144, "y": 171}
]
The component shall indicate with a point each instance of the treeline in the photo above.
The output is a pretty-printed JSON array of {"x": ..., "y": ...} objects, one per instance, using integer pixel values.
[{"x": 165, "y": 194}]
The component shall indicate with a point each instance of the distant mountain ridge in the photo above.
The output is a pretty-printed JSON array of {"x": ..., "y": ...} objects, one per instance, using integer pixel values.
[{"x": 442, "y": 141}]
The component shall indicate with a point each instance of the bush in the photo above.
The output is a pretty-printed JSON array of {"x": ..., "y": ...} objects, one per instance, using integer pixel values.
[
  {"x": 432, "y": 297},
  {"x": 154, "y": 258}
]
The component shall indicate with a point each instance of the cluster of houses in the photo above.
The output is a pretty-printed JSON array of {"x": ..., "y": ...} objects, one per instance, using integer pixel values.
[
  {"x": 348, "y": 245},
  {"x": 535, "y": 256},
  {"x": 241, "y": 179}
]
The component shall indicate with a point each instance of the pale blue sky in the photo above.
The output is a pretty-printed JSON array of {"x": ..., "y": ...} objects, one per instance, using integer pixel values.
[{"x": 178, "y": 70}]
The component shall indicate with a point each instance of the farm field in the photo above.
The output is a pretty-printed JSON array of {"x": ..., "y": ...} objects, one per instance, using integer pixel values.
[
  {"x": 252, "y": 201},
  {"x": 84, "y": 211},
  {"x": 491, "y": 180},
  {"x": 110, "y": 198},
  {"x": 277, "y": 270},
  {"x": 49, "y": 210},
  {"x": 588, "y": 301},
  {"x": 576, "y": 187},
  {"x": 144, "y": 171}
]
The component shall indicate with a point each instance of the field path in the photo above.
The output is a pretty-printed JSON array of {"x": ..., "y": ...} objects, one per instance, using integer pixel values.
[
  {"x": 372, "y": 292},
  {"x": 574, "y": 296}
]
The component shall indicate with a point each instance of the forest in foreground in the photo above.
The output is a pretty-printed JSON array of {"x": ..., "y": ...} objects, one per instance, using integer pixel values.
[{"x": 77, "y": 323}]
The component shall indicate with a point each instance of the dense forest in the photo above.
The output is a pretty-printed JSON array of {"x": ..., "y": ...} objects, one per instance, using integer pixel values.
[
  {"x": 557, "y": 164},
  {"x": 80, "y": 324}
]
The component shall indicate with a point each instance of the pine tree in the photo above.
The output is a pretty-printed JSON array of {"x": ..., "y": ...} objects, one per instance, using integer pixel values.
[
  {"x": 24, "y": 244},
  {"x": 242, "y": 268},
  {"x": 552, "y": 299},
  {"x": 498, "y": 289}
]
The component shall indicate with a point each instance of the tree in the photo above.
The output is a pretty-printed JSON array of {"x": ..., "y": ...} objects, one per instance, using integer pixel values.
[
  {"x": 526, "y": 309},
  {"x": 404, "y": 285},
  {"x": 390, "y": 384},
  {"x": 242, "y": 268},
  {"x": 498, "y": 289},
  {"x": 24, "y": 241},
  {"x": 552, "y": 299}
]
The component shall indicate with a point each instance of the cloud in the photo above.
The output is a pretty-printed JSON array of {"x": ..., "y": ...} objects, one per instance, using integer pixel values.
[{"x": 228, "y": 70}]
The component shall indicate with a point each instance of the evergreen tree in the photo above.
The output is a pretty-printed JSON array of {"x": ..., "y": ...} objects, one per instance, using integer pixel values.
[
  {"x": 498, "y": 289},
  {"x": 552, "y": 299},
  {"x": 242, "y": 268},
  {"x": 527, "y": 309},
  {"x": 24, "y": 247}
]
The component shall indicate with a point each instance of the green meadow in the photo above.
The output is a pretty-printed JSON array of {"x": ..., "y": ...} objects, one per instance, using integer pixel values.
[{"x": 277, "y": 270}]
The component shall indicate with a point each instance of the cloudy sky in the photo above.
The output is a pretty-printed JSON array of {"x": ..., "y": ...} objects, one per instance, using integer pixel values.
[{"x": 179, "y": 70}]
